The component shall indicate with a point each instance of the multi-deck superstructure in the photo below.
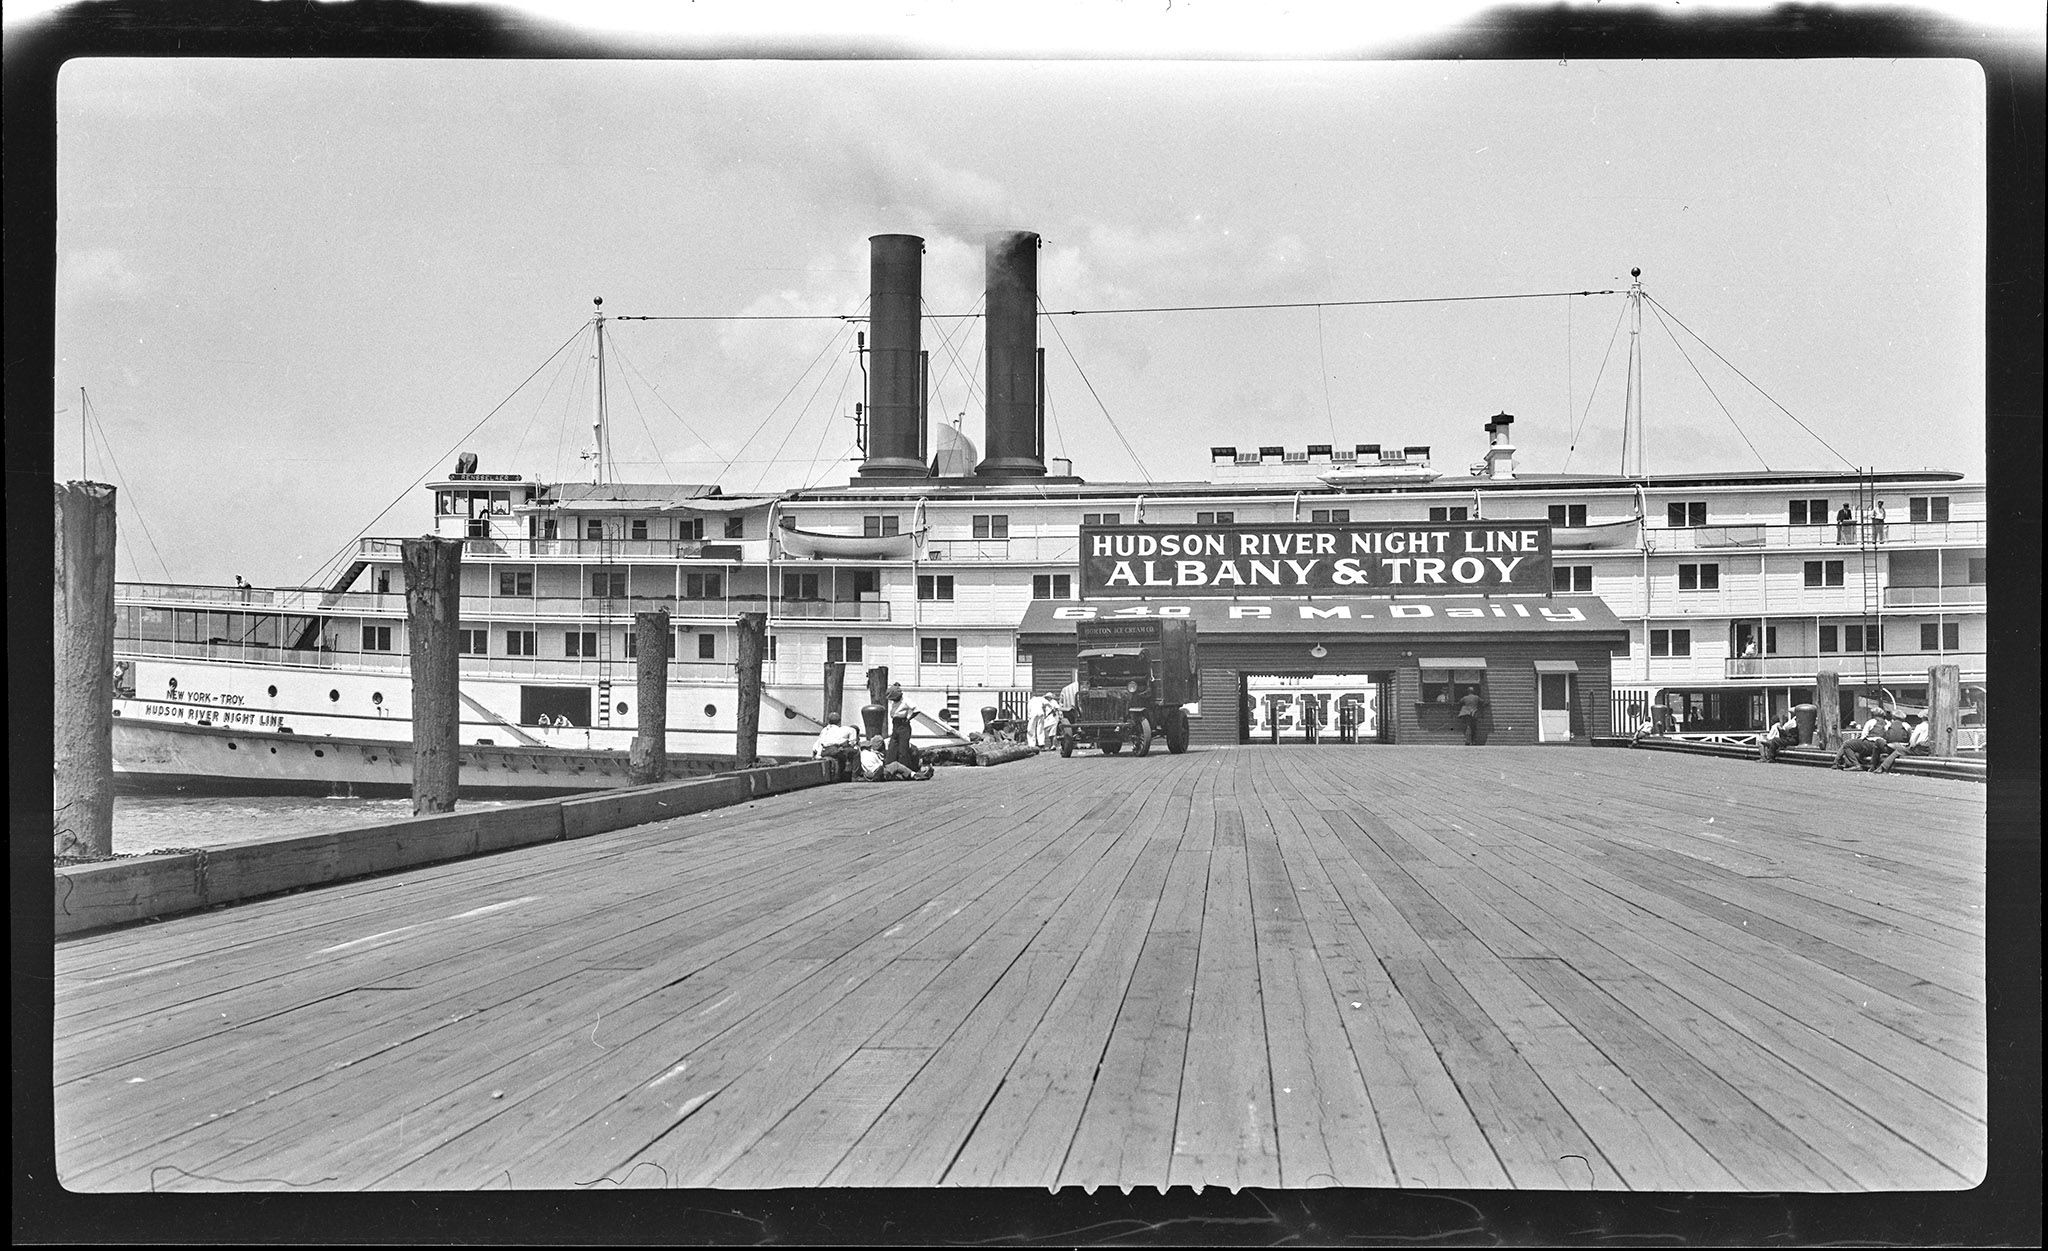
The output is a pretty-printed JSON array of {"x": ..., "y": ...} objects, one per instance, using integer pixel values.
[{"x": 1728, "y": 592}]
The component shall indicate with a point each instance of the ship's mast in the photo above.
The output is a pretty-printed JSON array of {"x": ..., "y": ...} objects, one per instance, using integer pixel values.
[
  {"x": 597, "y": 430},
  {"x": 1632, "y": 409}
]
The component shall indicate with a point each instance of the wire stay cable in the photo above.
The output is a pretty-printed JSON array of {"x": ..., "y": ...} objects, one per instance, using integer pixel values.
[
  {"x": 1087, "y": 382},
  {"x": 334, "y": 562},
  {"x": 1710, "y": 387},
  {"x": 1746, "y": 378}
]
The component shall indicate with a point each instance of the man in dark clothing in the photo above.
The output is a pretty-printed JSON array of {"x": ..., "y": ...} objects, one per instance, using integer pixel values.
[{"x": 1468, "y": 714}]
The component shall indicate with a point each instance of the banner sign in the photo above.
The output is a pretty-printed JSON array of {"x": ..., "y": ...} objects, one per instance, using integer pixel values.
[{"x": 1333, "y": 558}]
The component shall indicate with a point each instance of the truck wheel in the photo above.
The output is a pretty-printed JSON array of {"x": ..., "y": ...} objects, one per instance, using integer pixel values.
[
  {"x": 1111, "y": 746},
  {"x": 1066, "y": 745},
  {"x": 1141, "y": 742},
  {"x": 1177, "y": 733}
]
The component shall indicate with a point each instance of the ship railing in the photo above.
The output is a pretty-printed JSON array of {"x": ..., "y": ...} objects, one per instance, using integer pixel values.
[
  {"x": 595, "y": 551},
  {"x": 1892, "y": 666},
  {"x": 287, "y": 599},
  {"x": 259, "y": 653},
  {"x": 1895, "y": 534},
  {"x": 557, "y": 608},
  {"x": 1969, "y": 595},
  {"x": 1025, "y": 549},
  {"x": 831, "y": 609}
]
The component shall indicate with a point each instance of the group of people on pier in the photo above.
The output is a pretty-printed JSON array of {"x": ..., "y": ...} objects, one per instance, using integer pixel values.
[{"x": 894, "y": 759}]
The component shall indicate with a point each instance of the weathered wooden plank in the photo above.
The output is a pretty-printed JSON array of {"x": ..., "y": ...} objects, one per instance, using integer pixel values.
[
  {"x": 1323, "y": 1118},
  {"x": 1223, "y": 1133},
  {"x": 1431, "y": 1137},
  {"x": 1125, "y": 1135},
  {"x": 801, "y": 1148},
  {"x": 1558, "y": 923},
  {"x": 1023, "y": 1137}
]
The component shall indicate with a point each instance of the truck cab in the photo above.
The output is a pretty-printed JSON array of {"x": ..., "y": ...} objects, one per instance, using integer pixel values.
[{"x": 1137, "y": 680}]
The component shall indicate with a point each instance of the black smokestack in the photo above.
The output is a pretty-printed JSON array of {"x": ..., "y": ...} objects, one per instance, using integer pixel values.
[
  {"x": 1015, "y": 438},
  {"x": 895, "y": 367}
]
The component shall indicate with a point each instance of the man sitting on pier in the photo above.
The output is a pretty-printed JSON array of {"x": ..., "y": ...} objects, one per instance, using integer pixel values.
[
  {"x": 1778, "y": 738},
  {"x": 1917, "y": 741},
  {"x": 838, "y": 743},
  {"x": 1866, "y": 748},
  {"x": 877, "y": 767}
]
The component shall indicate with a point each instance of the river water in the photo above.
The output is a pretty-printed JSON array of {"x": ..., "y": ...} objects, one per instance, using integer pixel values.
[{"x": 149, "y": 822}]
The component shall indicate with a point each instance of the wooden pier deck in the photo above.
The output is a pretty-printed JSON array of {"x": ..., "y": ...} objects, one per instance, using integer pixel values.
[{"x": 1414, "y": 967}]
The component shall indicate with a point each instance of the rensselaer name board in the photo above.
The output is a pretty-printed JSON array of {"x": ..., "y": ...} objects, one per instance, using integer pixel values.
[{"x": 1333, "y": 558}]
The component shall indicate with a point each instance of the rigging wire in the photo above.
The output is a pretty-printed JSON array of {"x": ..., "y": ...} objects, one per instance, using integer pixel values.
[
  {"x": 822, "y": 352},
  {"x": 656, "y": 392},
  {"x": 1322, "y": 359},
  {"x": 1171, "y": 308},
  {"x": 831, "y": 415},
  {"x": 1746, "y": 378},
  {"x": 824, "y": 376},
  {"x": 1128, "y": 449},
  {"x": 626, "y": 371},
  {"x": 334, "y": 562},
  {"x": 1710, "y": 388},
  {"x": 134, "y": 505},
  {"x": 1594, "y": 393},
  {"x": 967, "y": 373}
]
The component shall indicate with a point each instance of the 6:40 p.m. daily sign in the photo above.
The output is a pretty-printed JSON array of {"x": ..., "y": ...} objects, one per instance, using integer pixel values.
[{"x": 1334, "y": 558}]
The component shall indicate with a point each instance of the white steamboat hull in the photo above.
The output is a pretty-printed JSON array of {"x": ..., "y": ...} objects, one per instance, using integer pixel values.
[
  {"x": 155, "y": 757},
  {"x": 213, "y": 725}
]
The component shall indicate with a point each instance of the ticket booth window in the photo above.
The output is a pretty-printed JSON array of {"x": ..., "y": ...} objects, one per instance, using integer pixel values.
[{"x": 1446, "y": 686}]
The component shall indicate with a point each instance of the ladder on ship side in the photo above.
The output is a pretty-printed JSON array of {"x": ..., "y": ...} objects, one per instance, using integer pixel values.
[
  {"x": 1870, "y": 542},
  {"x": 606, "y": 575}
]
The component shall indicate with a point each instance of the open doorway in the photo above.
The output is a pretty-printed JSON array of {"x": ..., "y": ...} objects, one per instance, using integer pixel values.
[{"x": 1313, "y": 708}]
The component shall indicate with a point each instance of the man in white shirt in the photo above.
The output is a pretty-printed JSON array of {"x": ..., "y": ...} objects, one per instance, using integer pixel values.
[
  {"x": 836, "y": 742},
  {"x": 1919, "y": 741},
  {"x": 1043, "y": 712},
  {"x": 833, "y": 735}
]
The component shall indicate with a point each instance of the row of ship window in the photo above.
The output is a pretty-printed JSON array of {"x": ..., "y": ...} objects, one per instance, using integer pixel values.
[
  {"x": 1701, "y": 576},
  {"x": 1689, "y": 513},
  {"x": 611, "y": 583},
  {"x": 848, "y": 649},
  {"x": 1935, "y": 636},
  {"x": 582, "y": 645}
]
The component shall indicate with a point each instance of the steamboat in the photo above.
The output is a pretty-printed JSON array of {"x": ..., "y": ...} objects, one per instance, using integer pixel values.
[{"x": 959, "y": 569}]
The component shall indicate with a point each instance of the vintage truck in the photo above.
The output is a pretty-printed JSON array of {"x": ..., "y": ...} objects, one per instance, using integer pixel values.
[{"x": 1136, "y": 679}]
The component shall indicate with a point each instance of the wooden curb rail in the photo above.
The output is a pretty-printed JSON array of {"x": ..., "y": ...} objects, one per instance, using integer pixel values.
[
  {"x": 1919, "y": 766},
  {"x": 118, "y": 892}
]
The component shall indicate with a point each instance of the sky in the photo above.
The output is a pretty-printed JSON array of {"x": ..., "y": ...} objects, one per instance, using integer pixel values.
[{"x": 291, "y": 290}]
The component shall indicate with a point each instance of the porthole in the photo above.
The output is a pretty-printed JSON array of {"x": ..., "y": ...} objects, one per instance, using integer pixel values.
[
  {"x": 789, "y": 714},
  {"x": 318, "y": 752},
  {"x": 334, "y": 696},
  {"x": 273, "y": 692},
  {"x": 273, "y": 751},
  {"x": 711, "y": 710},
  {"x": 231, "y": 747},
  {"x": 622, "y": 707},
  {"x": 376, "y": 697}
]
